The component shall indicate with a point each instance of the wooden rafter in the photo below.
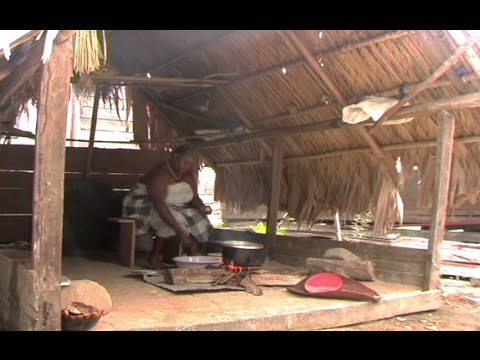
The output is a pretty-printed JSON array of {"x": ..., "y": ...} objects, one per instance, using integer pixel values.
[
  {"x": 391, "y": 35},
  {"x": 203, "y": 119},
  {"x": 245, "y": 121},
  {"x": 423, "y": 109},
  {"x": 30, "y": 35},
  {"x": 392, "y": 147},
  {"x": 159, "y": 67},
  {"x": 153, "y": 81},
  {"x": 385, "y": 167},
  {"x": 425, "y": 84},
  {"x": 431, "y": 46},
  {"x": 174, "y": 125}
]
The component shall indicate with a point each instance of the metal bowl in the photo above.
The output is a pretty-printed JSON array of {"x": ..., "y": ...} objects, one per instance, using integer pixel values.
[
  {"x": 243, "y": 253},
  {"x": 240, "y": 244},
  {"x": 196, "y": 262}
]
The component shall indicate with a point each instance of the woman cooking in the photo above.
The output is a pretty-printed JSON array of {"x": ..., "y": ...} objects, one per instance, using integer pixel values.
[{"x": 165, "y": 201}]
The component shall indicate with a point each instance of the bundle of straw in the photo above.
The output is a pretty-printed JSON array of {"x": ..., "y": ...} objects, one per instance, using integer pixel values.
[{"x": 87, "y": 52}]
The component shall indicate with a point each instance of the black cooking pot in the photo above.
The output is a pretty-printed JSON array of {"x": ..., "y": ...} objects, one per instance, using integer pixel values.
[{"x": 242, "y": 253}]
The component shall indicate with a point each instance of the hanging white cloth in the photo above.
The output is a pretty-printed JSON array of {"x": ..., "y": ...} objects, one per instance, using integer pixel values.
[{"x": 371, "y": 107}]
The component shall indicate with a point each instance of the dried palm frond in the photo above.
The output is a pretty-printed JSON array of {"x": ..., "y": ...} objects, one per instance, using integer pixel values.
[{"x": 87, "y": 52}]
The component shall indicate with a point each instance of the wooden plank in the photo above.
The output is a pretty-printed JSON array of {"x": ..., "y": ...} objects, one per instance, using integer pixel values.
[
  {"x": 48, "y": 197},
  {"x": 16, "y": 157},
  {"x": 126, "y": 161},
  {"x": 15, "y": 201},
  {"x": 399, "y": 266},
  {"x": 16, "y": 179},
  {"x": 275, "y": 184},
  {"x": 290, "y": 260},
  {"x": 443, "y": 164},
  {"x": 15, "y": 229},
  {"x": 265, "y": 279},
  {"x": 400, "y": 277},
  {"x": 126, "y": 245},
  {"x": 93, "y": 128},
  {"x": 24, "y": 180},
  {"x": 194, "y": 276},
  {"x": 116, "y": 181},
  {"x": 312, "y": 247}
]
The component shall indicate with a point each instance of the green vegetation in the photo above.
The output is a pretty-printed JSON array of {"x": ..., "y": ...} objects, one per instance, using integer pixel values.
[{"x": 261, "y": 228}]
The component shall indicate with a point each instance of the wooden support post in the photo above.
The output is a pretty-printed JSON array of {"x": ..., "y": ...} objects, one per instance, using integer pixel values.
[
  {"x": 49, "y": 185},
  {"x": 93, "y": 129},
  {"x": 443, "y": 165},
  {"x": 338, "y": 226},
  {"x": 274, "y": 196}
]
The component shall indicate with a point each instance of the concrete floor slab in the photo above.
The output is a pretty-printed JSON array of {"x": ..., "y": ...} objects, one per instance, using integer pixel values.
[{"x": 138, "y": 305}]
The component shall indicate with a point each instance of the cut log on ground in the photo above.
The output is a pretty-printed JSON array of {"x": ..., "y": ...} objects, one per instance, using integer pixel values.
[
  {"x": 194, "y": 276},
  {"x": 222, "y": 276},
  {"x": 341, "y": 254},
  {"x": 250, "y": 286},
  {"x": 357, "y": 270}
]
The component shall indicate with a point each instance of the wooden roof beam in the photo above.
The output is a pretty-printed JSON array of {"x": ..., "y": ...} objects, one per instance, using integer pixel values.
[
  {"x": 390, "y": 35},
  {"x": 423, "y": 109},
  {"x": 179, "y": 130},
  {"x": 392, "y": 147},
  {"x": 430, "y": 45},
  {"x": 425, "y": 84},
  {"x": 30, "y": 35},
  {"x": 153, "y": 81},
  {"x": 199, "y": 47},
  {"x": 471, "y": 55},
  {"x": 389, "y": 92},
  {"x": 325, "y": 77},
  {"x": 203, "y": 119},
  {"x": 245, "y": 121}
]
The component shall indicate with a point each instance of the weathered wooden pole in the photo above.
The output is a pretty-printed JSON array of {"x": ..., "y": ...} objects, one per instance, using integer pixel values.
[
  {"x": 276, "y": 180},
  {"x": 443, "y": 164},
  {"x": 93, "y": 129},
  {"x": 47, "y": 220}
]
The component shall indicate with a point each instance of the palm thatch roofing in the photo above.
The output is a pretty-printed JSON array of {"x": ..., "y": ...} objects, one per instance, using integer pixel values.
[{"x": 264, "y": 82}]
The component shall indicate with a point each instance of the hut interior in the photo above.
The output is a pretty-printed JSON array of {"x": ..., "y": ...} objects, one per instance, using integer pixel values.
[{"x": 310, "y": 123}]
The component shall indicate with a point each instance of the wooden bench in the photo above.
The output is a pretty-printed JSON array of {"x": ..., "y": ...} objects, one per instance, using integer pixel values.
[{"x": 127, "y": 240}]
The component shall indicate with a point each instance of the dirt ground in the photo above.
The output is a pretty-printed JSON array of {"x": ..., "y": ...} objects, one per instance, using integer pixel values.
[{"x": 459, "y": 312}]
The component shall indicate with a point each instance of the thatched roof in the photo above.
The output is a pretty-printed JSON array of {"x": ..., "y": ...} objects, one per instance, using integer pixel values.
[{"x": 270, "y": 85}]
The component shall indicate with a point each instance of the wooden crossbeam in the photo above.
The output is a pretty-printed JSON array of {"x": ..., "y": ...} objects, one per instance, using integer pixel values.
[{"x": 425, "y": 84}]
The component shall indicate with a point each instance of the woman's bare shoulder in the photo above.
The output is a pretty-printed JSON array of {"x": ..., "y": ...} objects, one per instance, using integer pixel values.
[{"x": 158, "y": 174}]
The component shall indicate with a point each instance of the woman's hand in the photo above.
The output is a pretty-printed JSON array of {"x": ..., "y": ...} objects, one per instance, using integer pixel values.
[{"x": 184, "y": 237}]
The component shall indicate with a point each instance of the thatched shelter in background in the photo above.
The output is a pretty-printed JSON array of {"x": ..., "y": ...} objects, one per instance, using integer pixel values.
[{"x": 251, "y": 101}]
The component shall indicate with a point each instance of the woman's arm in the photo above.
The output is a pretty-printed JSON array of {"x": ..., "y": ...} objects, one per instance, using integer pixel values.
[{"x": 196, "y": 202}]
